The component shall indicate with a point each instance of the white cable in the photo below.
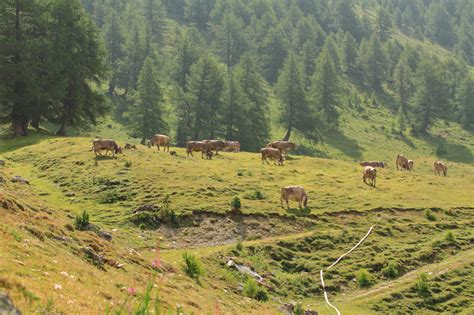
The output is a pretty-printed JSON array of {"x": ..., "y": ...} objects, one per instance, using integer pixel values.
[{"x": 321, "y": 271}]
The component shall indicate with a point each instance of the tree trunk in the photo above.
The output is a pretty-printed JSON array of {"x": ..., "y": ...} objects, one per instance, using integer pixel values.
[
  {"x": 64, "y": 119},
  {"x": 35, "y": 122},
  {"x": 288, "y": 134},
  {"x": 20, "y": 126}
]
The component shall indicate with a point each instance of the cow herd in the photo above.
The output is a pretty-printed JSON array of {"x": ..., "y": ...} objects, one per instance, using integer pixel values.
[{"x": 276, "y": 151}]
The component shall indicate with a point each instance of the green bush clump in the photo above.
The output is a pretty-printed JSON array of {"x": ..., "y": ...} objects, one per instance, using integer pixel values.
[
  {"x": 430, "y": 215},
  {"x": 391, "y": 270},
  {"x": 235, "y": 204},
  {"x": 239, "y": 246},
  {"x": 364, "y": 278},
  {"x": 450, "y": 238},
  {"x": 253, "y": 291},
  {"x": 192, "y": 266},
  {"x": 422, "y": 286},
  {"x": 128, "y": 164},
  {"x": 82, "y": 221}
]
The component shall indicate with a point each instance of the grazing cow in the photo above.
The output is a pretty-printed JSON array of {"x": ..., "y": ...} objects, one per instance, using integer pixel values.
[
  {"x": 158, "y": 140},
  {"x": 107, "y": 145},
  {"x": 283, "y": 146},
  {"x": 232, "y": 146},
  {"x": 370, "y": 174},
  {"x": 215, "y": 145},
  {"x": 200, "y": 146},
  {"x": 129, "y": 146},
  {"x": 403, "y": 163},
  {"x": 275, "y": 154},
  {"x": 373, "y": 164},
  {"x": 439, "y": 167},
  {"x": 296, "y": 193}
]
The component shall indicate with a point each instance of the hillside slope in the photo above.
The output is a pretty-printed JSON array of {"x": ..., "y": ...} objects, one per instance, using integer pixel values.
[{"x": 412, "y": 213}]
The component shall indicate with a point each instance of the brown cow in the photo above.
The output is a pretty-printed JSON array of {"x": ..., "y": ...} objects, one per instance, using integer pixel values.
[
  {"x": 200, "y": 146},
  {"x": 403, "y": 163},
  {"x": 439, "y": 167},
  {"x": 275, "y": 154},
  {"x": 373, "y": 164},
  {"x": 283, "y": 146},
  {"x": 295, "y": 193},
  {"x": 107, "y": 145},
  {"x": 158, "y": 140},
  {"x": 370, "y": 174},
  {"x": 215, "y": 145},
  {"x": 232, "y": 146}
]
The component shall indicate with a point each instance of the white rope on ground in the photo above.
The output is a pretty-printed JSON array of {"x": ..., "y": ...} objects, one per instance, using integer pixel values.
[
  {"x": 326, "y": 295},
  {"x": 335, "y": 263}
]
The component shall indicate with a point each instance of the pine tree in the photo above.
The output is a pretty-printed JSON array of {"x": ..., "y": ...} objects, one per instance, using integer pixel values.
[
  {"x": 466, "y": 102},
  {"x": 230, "y": 39},
  {"x": 274, "y": 50},
  {"x": 383, "y": 24},
  {"x": 345, "y": 18},
  {"x": 348, "y": 53},
  {"x": 431, "y": 99},
  {"x": 198, "y": 12},
  {"x": 234, "y": 111},
  {"x": 325, "y": 88},
  {"x": 294, "y": 111},
  {"x": 440, "y": 27},
  {"x": 256, "y": 128},
  {"x": 403, "y": 82},
  {"x": 146, "y": 113},
  {"x": 155, "y": 14},
  {"x": 113, "y": 42},
  {"x": 204, "y": 91},
  {"x": 373, "y": 62}
]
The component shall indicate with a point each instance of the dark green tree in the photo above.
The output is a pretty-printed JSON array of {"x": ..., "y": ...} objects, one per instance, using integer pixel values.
[
  {"x": 373, "y": 61},
  {"x": 295, "y": 113},
  {"x": 146, "y": 114},
  {"x": 198, "y": 12},
  {"x": 274, "y": 50},
  {"x": 345, "y": 18},
  {"x": 204, "y": 91},
  {"x": 440, "y": 27},
  {"x": 431, "y": 99},
  {"x": 325, "y": 90},
  {"x": 348, "y": 53},
  {"x": 403, "y": 83},
  {"x": 383, "y": 24},
  {"x": 230, "y": 39},
  {"x": 466, "y": 102}
]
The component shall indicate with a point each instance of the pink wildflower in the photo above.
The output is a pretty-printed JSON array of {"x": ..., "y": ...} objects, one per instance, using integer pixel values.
[
  {"x": 156, "y": 263},
  {"x": 132, "y": 291}
]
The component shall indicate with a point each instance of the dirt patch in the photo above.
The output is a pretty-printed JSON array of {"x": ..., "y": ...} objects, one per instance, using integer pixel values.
[{"x": 209, "y": 229}]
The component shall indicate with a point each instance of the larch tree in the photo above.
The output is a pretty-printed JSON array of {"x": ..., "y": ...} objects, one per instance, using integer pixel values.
[{"x": 146, "y": 114}]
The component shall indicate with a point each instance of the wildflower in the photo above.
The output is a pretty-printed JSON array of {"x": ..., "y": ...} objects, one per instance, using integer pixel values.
[
  {"x": 58, "y": 286},
  {"x": 156, "y": 263},
  {"x": 132, "y": 291}
]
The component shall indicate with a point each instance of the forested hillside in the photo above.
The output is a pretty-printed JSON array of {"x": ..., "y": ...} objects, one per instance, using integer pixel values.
[{"x": 247, "y": 70}]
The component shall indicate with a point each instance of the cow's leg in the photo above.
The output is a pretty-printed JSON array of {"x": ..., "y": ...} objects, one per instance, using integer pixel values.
[{"x": 281, "y": 200}]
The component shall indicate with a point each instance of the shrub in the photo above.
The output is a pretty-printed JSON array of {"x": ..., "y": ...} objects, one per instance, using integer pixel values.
[
  {"x": 391, "y": 270},
  {"x": 253, "y": 291},
  {"x": 450, "y": 238},
  {"x": 239, "y": 246},
  {"x": 82, "y": 221},
  {"x": 422, "y": 286},
  {"x": 128, "y": 164},
  {"x": 430, "y": 215},
  {"x": 192, "y": 266},
  {"x": 298, "y": 309},
  {"x": 440, "y": 149},
  {"x": 235, "y": 204},
  {"x": 256, "y": 195},
  {"x": 364, "y": 278}
]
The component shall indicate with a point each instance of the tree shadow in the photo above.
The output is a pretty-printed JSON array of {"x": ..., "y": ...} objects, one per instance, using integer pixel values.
[
  {"x": 449, "y": 151},
  {"x": 347, "y": 145},
  {"x": 105, "y": 157},
  {"x": 9, "y": 142}
]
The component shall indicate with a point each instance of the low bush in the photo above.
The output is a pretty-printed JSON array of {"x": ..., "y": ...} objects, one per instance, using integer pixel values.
[
  {"x": 364, "y": 278},
  {"x": 254, "y": 291},
  {"x": 450, "y": 238},
  {"x": 430, "y": 215},
  {"x": 82, "y": 221},
  {"x": 235, "y": 204},
  {"x": 128, "y": 164},
  {"x": 422, "y": 286},
  {"x": 391, "y": 270},
  {"x": 192, "y": 266}
]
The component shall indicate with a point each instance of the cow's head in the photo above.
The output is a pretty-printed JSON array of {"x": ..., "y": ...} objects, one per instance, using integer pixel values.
[
  {"x": 293, "y": 145},
  {"x": 118, "y": 150},
  {"x": 410, "y": 164}
]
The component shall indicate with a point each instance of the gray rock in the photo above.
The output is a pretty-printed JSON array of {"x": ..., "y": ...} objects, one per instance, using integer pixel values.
[
  {"x": 6, "y": 306},
  {"x": 2, "y": 163},
  {"x": 19, "y": 179}
]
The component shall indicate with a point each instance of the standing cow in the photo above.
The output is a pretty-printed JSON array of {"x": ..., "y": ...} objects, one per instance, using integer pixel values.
[
  {"x": 160, "y": 140},
  {"x": 296, "y": 193},
  {"x": 403, "y": 163},
  {"x": 369, "y": 175},
  {"x": 215, "y": 145},
  {"x": 198, "y": 146},
  {"x": 275, "y": 154},
  {"x": 107, "y": 145},
  {"x": 439, "y": 167},
  {"x": 232, "y": 146},
  {"x": 283, "y": 146}
]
